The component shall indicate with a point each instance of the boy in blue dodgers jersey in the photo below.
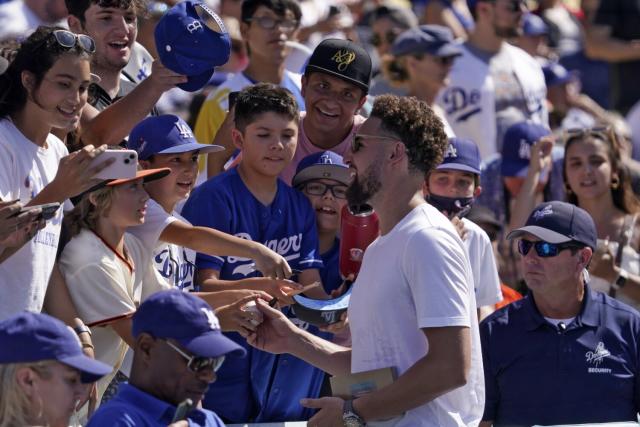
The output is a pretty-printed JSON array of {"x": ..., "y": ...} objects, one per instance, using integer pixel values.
[
  {"x": 250, "y": 201},
  {"x": 168, "y": 140},
  {"x": 452, "y": 188},
  {"x": 178, "y": 349}
]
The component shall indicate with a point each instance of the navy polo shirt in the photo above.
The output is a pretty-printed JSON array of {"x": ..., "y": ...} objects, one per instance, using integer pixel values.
[
  {"x": 537, "y": 373},
  {"x": 132, "y": 407}
]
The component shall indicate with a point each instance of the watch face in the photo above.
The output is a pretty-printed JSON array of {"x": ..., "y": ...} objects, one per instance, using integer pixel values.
[{"x": 352, "y": 421}]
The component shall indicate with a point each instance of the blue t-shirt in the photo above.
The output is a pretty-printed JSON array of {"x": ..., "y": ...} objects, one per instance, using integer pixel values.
[
  {"x": 584, "y": 372},
  {"x": 330, "y": 274},
  {"x": 262, "y": 386},
  {"x": 132, "y": 407}
]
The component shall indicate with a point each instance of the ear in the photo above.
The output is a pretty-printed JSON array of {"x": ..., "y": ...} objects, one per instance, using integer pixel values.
[
  {"x": 25, "y": 377},
  {"x": 28, "y": 80},
  {"x": 74, "y": 24},
  {"x": 244, "y": 29},
  {"x": 92, "y": 199},
  {"x": 477, "y": 191},
  {"x": 585, "y": 257},
  {"x": 144, "y": 347},
  {"x": 362, "y": 101},
  {"x": 398, "y": 153},
  {"x": 425, "y": 187},
  {"x": 237, "y": 138}
]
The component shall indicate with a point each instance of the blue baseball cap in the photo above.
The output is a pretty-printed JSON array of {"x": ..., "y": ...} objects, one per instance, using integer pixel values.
[
  {"x": 34, "y": 337},
  {"x": 186, "y": 319},
  {"x": 559, "y": 222},
  {"x": 533, "y": 25},
  {"x": 324, "y": 164},
  {"x": 516, "y": 147},
  {"x": 166, "y": 134},
  {"x": 463, "y": 155},
  {"x": 188, "y": 42},
  {"x": 555, "y": 74},
  {"x": 435, "y": 40}
]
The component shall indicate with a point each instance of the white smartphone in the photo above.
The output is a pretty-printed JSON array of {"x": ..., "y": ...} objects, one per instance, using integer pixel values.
[{"x": 124, "y": 166}]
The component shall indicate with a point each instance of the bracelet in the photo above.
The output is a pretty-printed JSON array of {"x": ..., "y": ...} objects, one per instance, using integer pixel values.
[
  {"x": 81, "y": 329},
  {"x": 88, "y": 345}
]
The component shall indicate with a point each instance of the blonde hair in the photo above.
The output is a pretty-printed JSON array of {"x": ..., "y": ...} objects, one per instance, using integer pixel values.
[
  {"x": 87, "y": 212},
  {"x": 15, "y": 406}
]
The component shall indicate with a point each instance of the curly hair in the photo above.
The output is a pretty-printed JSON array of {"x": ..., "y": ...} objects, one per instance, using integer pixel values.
[
  {"x": 415, "y": 123},
  {"x": 623, "y": 195},
  {"x": 78, "y": 8}
]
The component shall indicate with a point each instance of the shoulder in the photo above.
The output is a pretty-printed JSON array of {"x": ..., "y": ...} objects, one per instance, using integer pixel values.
[
  {"x": 218, "y": 185},
  {"x": 616, "y": 312},
  {"x": 504, "y": 319},
  {"x": 114, "y": 414},
  {"x": 57, "y": 146},
  {"x": 522, "y": 57}
]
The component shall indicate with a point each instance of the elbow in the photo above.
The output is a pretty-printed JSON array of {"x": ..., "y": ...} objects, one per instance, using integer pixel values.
[{"x": 460, "y": 377}]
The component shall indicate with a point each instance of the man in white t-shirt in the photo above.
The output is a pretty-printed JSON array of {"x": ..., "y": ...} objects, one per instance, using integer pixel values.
[
  {"x": 334, "y": 86},
  {"x": 412, "y": 307},
  {"x": 451, "y": 188},
  {"x": 19, "y": 18}
]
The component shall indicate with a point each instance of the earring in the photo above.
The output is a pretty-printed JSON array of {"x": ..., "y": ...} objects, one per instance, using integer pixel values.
[{"x": 615, "y": 183}]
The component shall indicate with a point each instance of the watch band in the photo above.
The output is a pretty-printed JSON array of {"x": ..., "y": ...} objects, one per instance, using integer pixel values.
[
  {"x": 349, "y": 415},
  {"x": 80, "y": 329}
]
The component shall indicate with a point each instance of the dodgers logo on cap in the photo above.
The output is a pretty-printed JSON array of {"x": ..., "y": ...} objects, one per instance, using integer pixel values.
[
  {"x": 324, "y": 164},
  {"x": 463, "y": 155}
]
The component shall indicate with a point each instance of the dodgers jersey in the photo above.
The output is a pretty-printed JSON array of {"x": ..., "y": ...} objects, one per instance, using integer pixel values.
[{"x": 286, "y": 226}]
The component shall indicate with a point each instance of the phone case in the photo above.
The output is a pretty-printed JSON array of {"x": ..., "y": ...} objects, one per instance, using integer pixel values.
[{"x": 125, "y": 164}]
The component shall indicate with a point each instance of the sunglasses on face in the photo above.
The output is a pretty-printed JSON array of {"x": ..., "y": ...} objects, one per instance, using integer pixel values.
[
  {"x": 356, "y": 142},
  {"x": 339, "y": 191},
  {"x": 268, "y": 23},
  {"x": 544, "y": 249},
  {"x": 389, "y": 37},
  {"x": 68, "y": 40},
  {"x": 198, "y": 364}
]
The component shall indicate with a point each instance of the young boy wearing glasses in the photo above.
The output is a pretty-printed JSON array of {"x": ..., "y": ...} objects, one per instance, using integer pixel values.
[
  {"x": 266, "y": 26},
  {"x": 178, "y": 349},
  {"x": 452, "y": 188},
  {"x": 562, "y": 341},
  {"x": 249, "y": 201}
]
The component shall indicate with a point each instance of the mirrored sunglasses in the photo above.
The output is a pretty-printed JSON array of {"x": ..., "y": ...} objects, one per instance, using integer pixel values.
[{"x": 544, "y": 249}]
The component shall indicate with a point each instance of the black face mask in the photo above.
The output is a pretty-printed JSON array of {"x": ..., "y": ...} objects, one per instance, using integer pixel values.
[{"x": 453, "y": 206}]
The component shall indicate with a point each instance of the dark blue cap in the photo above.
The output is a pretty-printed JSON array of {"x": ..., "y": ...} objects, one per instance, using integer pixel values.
[
  {"x": 559, "y": 222},
  {"x": 343, "y": 59},
  {"x": 324, "y": 164},
  {"x": 34, "y": 337},
  {"x": 463, "y": 155},
  {"x": 516, "y": 147},
  {"x": 166, "y": 134},
  {"x": 533, "y": 25},
  {"x": 187, "y": 44},
  {"x": 186, "y": 319},
  {"x": 435, "y": 40},
  {"x": 555, "y": 74}
]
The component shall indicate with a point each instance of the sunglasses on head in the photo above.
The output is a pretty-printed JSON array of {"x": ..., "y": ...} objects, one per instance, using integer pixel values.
[
  {"x": 356, "y": 142},
  {"x": 544, "y": 249},
  {"x": 68, "y": 40},
  {"x": 198, "y": 364},
  {"x": 603, "y": 132}
]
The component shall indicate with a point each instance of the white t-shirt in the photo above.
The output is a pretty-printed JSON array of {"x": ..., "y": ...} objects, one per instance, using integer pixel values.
[
  {"x": 17, "y": 20},
  {"x": 25, "y": 169},
  {"x": 176, "y": 264},
  {"x": 416, "y": 276},
  {"x": 102, "y": 286},
  {"x": 483, "y": 265}
]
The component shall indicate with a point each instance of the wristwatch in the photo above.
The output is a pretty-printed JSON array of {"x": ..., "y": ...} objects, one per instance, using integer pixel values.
[
  {"x": 349, "y": 416},
  {"x": 623, "y": 276}
]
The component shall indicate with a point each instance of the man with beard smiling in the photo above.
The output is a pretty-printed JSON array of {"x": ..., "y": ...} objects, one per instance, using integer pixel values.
[
  {"x": 412, "y": 307},
  {"x": 493, "y": 84},
  {"x": 178, "y": 349}
]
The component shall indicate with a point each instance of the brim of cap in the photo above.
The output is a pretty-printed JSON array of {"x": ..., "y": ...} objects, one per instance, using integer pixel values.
[
  {"x": 198, "y": 81},
  {"x": 91, "y": 370},
  {"x": 213, "y": 344},
  {"x": 334, "y": 172},
  {"x": 541, "y": 233},
  {"x": 458, "y": 167},
  {"x": 340, "y": 76},
  {"x": 203, "y": 148},
  {"x": 147, "y": 175}
]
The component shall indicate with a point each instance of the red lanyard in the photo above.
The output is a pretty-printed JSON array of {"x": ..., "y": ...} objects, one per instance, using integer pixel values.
[{"x": 123, "y": 259}]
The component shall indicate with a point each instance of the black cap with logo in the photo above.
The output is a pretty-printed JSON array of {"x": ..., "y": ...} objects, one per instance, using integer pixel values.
[{"x": 344, "y": 59}]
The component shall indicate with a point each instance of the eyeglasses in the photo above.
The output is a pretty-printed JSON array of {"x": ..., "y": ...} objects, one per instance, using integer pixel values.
[
  {"x": 389, "y": 37},
  {"x": 68, "y": 40},
  {"x": 269, "y": 23},
  {"x": 198, "y": 364},
  {"x": 544, "y": 249},
  {"x": 339, "y": 191},
  {"x": 356, "y": 142}
]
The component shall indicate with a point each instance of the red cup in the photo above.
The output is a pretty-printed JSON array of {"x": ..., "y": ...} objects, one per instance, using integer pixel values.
[{"x": 359, "y": 227}]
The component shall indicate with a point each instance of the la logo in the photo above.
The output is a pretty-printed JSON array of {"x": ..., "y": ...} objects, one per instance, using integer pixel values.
[
  {"x": 184, "y": 130},
  {"x": 211, "y": 318},
  {"x": 343, "y": 57},
  {"x": 451, "y": 152}
]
